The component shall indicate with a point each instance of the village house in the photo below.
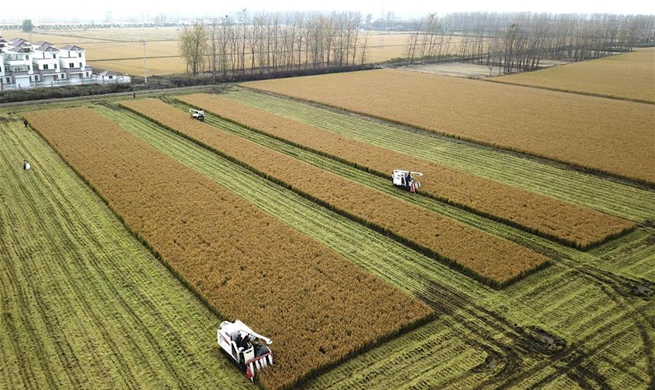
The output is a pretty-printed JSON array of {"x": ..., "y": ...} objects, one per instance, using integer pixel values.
[{"x": 31, "y": 65}]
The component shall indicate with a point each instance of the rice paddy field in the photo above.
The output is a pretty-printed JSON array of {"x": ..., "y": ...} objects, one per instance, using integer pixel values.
[
  {"x": 627, "y": 76},
  {"x": 139, "y": 229},
  {"x": 605, "y": 135}
]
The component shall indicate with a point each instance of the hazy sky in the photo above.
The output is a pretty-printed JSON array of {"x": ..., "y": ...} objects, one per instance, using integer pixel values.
[{"x": 97, "y": 11}]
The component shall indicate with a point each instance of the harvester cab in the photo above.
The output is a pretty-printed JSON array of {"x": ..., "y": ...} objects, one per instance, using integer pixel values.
[
  {"x": 245, "y": 347},
  {"x": 405, "y": 180},
  {"x": 197, "y": 114}
]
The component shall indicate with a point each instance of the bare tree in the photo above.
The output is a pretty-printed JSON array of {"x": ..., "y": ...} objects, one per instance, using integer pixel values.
[{"x": 193, "y": 45}]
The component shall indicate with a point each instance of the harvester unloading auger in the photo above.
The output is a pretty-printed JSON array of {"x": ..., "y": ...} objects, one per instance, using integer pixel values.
[
  {"x": 404, "y": 179},
  {"x": 244, "y": 346}
]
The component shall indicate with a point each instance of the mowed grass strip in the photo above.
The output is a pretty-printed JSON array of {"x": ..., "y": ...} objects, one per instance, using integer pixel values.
[
  {"x": 573, "y": 225},
  {"x": 491, "y": 259},
  {"x": 600, "y": 134},
  {"x": 315, "y": 304}
]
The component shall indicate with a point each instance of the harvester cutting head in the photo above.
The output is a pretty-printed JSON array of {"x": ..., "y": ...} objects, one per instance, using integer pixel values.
[
  {"x": 405, "y": 179},
  {"x": 245, "y": 347},
  {"x": 197, "y": 114}
]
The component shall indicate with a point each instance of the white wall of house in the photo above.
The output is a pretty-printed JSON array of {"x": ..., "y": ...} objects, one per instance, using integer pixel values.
[
  {"x": 18, "y": 62},
  {"x": 46, "y": 60},
  {"x": 72, "y": 59}
]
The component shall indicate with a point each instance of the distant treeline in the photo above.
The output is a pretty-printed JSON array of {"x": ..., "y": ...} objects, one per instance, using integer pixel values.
[
  {"x": 518, "y": 41},
  {"x": 272, "y": 41}
]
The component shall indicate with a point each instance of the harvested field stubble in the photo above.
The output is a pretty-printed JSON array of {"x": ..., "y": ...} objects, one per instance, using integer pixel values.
[
  {"x": 240, "y": 260},
  {"x": 493, "y": 260},
  {"x": 600, "y": 134},
  {"x": 573, "y": 225}
]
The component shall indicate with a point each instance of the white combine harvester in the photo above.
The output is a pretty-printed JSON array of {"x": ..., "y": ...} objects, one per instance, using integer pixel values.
[
  {"x": 403, "y": 179},
  {"x": 244, "y": 346},
  {"x": 197, "y": 114}
]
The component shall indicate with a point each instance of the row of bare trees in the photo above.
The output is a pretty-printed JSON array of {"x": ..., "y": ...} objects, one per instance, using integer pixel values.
[
  {"x": 272, "y": 41},
  {"x": 519, "y": 41}
]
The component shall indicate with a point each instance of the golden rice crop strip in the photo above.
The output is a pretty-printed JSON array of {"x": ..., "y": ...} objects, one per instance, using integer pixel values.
[
  {"x": 628, "y": 76},
  {"x": 599, "y": 134},
  {"x": 492, "y": 259},
  {"x": 315, "y": 304},
  {"x": 547, "y": 216}
]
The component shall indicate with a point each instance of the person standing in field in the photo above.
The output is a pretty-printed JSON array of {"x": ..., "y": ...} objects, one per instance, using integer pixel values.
[{"x": 25, "y": 122}]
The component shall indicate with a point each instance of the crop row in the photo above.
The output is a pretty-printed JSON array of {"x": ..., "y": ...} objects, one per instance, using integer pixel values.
[
  {"x": 555, "y": 299},
  {"x": 240, "y": 260},
  {"x": 533, "y": 175},
  {"x": 543, "y": 215},
  {"x": 84, "y": 305},
  {"x": 493, "y": 260},
  {"x": 602, "y": 135}
]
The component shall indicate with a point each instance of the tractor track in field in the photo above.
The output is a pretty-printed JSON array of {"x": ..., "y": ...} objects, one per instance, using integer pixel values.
[
  {"x": 24, "y": 302},
  {"x": 102, "y": 275},
  {"x": 87, "y": 306}
]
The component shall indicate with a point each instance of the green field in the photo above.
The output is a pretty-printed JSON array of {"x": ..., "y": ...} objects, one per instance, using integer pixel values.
[{"x": 84, "y": 304}]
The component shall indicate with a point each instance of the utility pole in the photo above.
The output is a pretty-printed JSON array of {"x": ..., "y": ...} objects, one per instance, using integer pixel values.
[{"x": 145, "y": 72}]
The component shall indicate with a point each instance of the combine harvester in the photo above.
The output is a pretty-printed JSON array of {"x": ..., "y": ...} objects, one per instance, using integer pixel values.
[
  {"x": 197, "y": 114},
  {"x": 403, "y": 179},
  {"x": 244, "y": 347}
]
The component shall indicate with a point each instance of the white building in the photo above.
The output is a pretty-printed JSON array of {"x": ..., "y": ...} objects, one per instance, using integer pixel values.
[
  {"x": 26, "y": 65},
  {"x": 18, "y": 63}
]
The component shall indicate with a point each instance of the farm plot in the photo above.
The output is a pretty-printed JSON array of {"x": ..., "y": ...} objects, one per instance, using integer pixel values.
[
  {"x": 571, "y": 186},
  {"x": 602, "y": 135},
  {"x": 493, "y": 260},
  {"x": 155, "y": 66},
  {"x": 219, "y": 244},
  {"x": 627, "y": 76},
  {"x": 568, "y": 223},
  {"x": 84, "y": 304},
  {"x": 476, "y": 329}
]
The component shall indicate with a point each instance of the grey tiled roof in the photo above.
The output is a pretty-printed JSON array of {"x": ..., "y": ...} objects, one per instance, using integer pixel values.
[{"x": 71, "y": 47}]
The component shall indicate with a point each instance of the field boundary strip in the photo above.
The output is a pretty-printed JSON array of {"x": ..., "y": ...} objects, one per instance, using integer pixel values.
[
  {"x": 273, "y": 126},
  {"x": 212, "y": 139},
  {"x": 116, "y": 175}
]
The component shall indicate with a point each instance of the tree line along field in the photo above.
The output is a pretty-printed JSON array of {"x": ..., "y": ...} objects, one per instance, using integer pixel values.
[
  {"x": 544, "y": 215},
  {"x": 120, "y": 50},
  {"x": 627, "y": 76},
  {"x": 476, "y": 325},
  {"x": 589, "y": 132},
  {"x": 83, "y": 303},
  {"x": 243, "y": 262}
]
